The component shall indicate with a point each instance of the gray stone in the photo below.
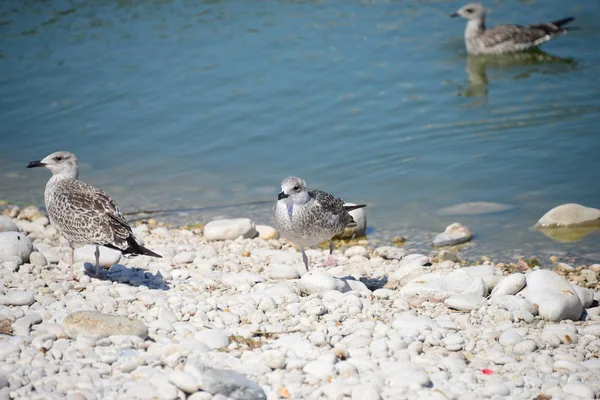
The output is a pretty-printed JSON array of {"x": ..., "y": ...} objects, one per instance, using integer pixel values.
[
  {"x": 586, "y": 296},
  {"x": 454, "y": 234},
  {"x": 15, "y": 244},
  {"x": 37, "y": 259},
  {"x": 318, "y": 281},
  {"x": 91, "y": 323},
  {"x": 224, "y": 382},
  {"x": 569, "y": 214},
  {"x": 229, "y": 229},
  {"x": 7, "y": 224}
]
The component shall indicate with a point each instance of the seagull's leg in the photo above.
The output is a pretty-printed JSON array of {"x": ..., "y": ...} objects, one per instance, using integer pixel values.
[
  {"x": 304, "y": 257},
  {"x": 70, "y": 277},
  {"x": 330, "y": 261},
  {"x": 97, "y": 254}
]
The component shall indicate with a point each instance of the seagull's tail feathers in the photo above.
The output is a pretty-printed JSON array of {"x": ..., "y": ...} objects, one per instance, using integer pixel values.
[
  {"x": 561, "y": 22},
  {"x": 354, "y": 207},
  {"x": 134, "y": 248}
]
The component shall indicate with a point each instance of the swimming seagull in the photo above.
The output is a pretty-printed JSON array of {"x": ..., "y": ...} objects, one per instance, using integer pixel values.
[
  {"x": 82, "y": 213},
  {"x": 308, "y": 217},
  {"x": 504, "y": 38}
]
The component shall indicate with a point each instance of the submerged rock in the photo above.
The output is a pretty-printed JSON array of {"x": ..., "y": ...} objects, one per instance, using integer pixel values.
[
  {"x": 568, "y": 215},
  {"x": 475, "y": 208}
]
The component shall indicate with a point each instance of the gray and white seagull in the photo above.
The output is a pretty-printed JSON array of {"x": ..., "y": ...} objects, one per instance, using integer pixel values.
[
  {"x": 308, "y": 217},
  {"x": 504, "y": 39},
  {"x": 83, "y": 214}
]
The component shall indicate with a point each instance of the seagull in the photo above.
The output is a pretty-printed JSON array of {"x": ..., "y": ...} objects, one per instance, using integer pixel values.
[
  {"x": 83, "y": 214},
  {"x": 308, "y": 217},
  {"x": 504, "y": 39}
]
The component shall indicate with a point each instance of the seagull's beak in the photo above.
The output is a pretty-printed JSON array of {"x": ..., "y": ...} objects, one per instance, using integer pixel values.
[
  {"x": 454, "y": 15},
  {"x": 33, "y": 164},
  {"x": 282, "y": 196}
]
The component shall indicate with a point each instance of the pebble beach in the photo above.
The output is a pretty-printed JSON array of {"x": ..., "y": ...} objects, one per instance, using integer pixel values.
[{"x": 230, "y": 312}]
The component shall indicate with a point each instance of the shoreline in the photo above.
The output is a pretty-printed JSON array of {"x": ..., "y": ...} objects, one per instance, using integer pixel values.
[{"x": 242, "y": 319}]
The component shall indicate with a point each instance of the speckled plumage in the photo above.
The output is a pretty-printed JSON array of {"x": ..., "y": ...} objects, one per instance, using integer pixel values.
[
  {"x": 308, "y": 217},
  {"x": 504, "y": 39},
  {"x": 83, "y": 214}
]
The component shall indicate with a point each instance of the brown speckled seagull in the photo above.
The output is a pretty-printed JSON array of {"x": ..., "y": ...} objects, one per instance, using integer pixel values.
[
  {"x": 504, "y": 39},
  {"x": 83, "y": 214},
  {"x": 308, "y": 217}
]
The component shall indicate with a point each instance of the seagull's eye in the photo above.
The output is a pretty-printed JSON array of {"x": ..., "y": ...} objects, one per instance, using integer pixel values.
[
  {"x": 296, "y": 188},
  {"x": 58, "y": 158},
  {"x": 469, "y": 10}
]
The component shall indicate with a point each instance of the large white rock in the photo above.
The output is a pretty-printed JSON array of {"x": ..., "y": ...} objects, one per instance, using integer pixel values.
[
  {"x": 569, "y": 214},
  {"x": 436, "y": 287},
  {"x": 586, "y": 296},
  {"x": 15, "y": 244},
  {"x": 553, "y": 296},
  {"x": 7, "y": 224},
  {"x": 464, "y": 302},
  {"x": 318, "y": 281},
  {"x": 454, "y": 234},
  {"x": 108, "y": 257},
  {"x": 92, "y": 323},
  {"x": 229, "y": 229},
  {"x": 410, "y": 325}
]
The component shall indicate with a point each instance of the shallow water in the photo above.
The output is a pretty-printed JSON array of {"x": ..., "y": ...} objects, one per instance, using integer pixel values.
[{"x": 173, "y": 104}]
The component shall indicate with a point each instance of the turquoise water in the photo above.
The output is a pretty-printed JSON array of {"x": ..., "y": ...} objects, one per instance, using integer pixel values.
[{"x": 184, "y": 104}]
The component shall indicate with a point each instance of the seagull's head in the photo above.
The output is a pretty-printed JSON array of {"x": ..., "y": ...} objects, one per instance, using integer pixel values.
[
  {"x": 60, "y": 163},
  {"x": 470, "y": 11},
  {"x": 293, "y": 191}
]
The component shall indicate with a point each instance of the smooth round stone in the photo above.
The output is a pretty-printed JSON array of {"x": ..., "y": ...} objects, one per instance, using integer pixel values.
[
  {"x": 437, "y": 287},
  {"x": 499, "y": 389},
  {"x": 356, "y": 251},
  {"x": 454, "y": 234},
  {"x": 7, "y": 224},
  {"x": 384, "y": 294},
  {"x": 187, "y": 257},
  {"x": 317, "y": 281},
  {"x": 184, "y": 381},
  {"x": 319, "y": 369},
  {"x": 513, "y": 303},
  {"x": 593, "y": 330},
  {"x": 525, "y": 347},
  {"x": 586, "y": 296},
  {"x": 509, "y": 285},
  {"x": 273, "y": 359},
  {"x": 464, "y": 302},
  {"x": 389, "y": 252},
  {"x": 283, "y": 271},
  {"x": 229, "y": 229},
  {"x": 409, "y": 324},
  {"x": 579, "y": 389},
  {"x": 108, "y": 257},
  {"x": 92, "y": 323},
  {"x": 509, "y": 337},
  {"x": 213, "y": 338},
  {"x": 556, "y": 299},
  {"x": 15, "y": 244},
  {"x": 19, "y": 298},
  {"x": 454, "y": 342},
  {"x": 224, "y": 382},
  {"x": 37, "y": 259},
  {"x": 267, "y": 232}
]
